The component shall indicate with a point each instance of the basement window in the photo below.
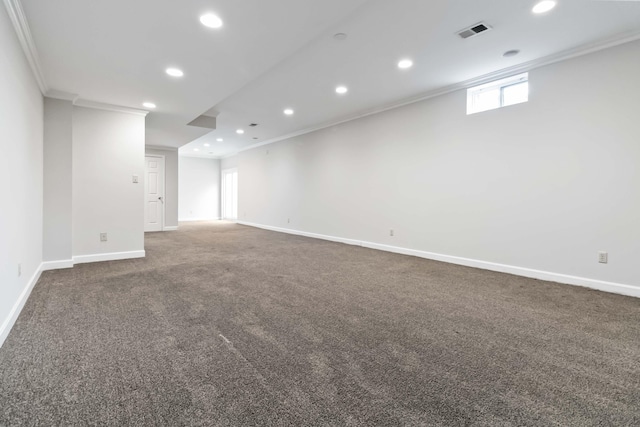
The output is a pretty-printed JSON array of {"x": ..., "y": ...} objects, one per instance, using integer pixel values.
[{"x": 497, "y": 94}]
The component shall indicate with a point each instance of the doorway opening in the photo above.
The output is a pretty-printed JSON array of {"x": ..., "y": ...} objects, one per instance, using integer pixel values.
[{"x": 230, "y": 194}]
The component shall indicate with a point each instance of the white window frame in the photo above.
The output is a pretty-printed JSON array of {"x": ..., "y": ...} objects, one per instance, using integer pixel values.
[{"x": 474, "y": 92}]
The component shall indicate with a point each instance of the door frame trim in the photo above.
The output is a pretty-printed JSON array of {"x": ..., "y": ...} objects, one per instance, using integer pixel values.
[{"x": 164, "y": 187}]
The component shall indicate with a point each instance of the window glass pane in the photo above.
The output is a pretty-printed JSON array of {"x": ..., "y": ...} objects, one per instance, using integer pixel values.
[
  {"x": 498, "y": 93},
  {"x": 486, "y": 100},
  {"x": 515, "y": 94}
]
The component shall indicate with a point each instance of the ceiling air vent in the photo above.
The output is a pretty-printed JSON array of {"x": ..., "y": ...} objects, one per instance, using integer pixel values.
[{"x": 474, "y": 30}]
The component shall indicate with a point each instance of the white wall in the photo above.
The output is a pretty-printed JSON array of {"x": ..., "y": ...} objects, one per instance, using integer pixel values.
[
  {"x": 171, "y": 183},
  {"x": 229, "y": 162},
  {"x": 21, "y": 124},
  {"x": 543, "y": 185},
  {"x": 108, "y": 149},
  {"x": 199, "y": 188},
  {"x": 57, "y": 225}
]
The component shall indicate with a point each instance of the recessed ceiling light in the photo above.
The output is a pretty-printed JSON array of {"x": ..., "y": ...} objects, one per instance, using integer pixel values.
[
  {"x": 206, "y": 145},
  {"x": 288, "y": 112},
  {"x": 405, "y": 63},
  {"x": 544, "y": 6},
  {"x": 342, "y": 90},
  {"x": 510, "y": 53},
  {"x": 210, "y": 20},
  {"x": 219, "y": 139},
  {"x": 240, "y": 131},
  {"x": 196, "y": 149},
  {"x": 174, "y": 72},
  {"x": 340, "y": 36},
  {"x": 149, "y": 105}
]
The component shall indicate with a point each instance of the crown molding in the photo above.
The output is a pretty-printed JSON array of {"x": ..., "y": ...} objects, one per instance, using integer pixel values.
[
  {"x": 58, "y": 94},
  {"x": 160, "y": 147},
  {"x": 21, "y": 26},
  {"x": 198, "y": 156},
  {"x": 505, "y": 72},
  {"x": 109, "y": 107}
]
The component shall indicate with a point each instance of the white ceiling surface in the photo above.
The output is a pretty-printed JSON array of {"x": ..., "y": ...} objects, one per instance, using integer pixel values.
[
  {"x": 278, "y": 54},
  {"x": 116, "y": 51}
]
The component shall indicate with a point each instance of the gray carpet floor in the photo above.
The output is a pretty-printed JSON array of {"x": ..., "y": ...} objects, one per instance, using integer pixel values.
[{"x": 228, "y": 325}]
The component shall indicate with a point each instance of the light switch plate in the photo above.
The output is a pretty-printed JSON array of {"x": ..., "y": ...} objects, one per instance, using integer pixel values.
[{"x": 135, "y": 179}]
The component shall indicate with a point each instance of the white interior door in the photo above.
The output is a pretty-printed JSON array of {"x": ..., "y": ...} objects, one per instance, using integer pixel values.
[
  {"x": 230, "y": 194},
  {"x": 154, "y": 193}
]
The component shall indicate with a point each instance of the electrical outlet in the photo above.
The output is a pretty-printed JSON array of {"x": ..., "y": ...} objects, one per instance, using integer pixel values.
[
  {"x": 288, "y": 220},
  {"x": 103, "y": 237},
  {"x": 603, "y": 257},
  {"x": 135, "y": 179},
  {"x": 19, "y": 270},
  {"x": 391, "y": 232}
]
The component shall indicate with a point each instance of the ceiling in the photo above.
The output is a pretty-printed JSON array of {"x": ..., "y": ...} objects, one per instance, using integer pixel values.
[{"x": 277, "y": 54}]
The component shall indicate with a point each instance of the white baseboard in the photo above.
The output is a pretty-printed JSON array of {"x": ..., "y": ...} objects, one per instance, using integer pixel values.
[
  {"x": 616, "y": 288},
  {"x": 57, "y": 265},
  {"x": 8, "y": 323},
  {"x": 198, "y": 219},
  {"x": 113, "y": 256},
  {"x": 17, "y": 307},
  {"x": 304, "y": 233},
  {"x": 170, "y": 228}
]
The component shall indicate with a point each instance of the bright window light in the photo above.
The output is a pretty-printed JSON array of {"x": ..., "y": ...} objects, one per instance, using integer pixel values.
[
  {"x": 499, "y": 93},
  {"x": 515, "y": 94}
]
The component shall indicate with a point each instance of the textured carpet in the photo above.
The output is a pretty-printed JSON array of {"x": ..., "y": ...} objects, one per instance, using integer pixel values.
[{"x": 223, "y": 324}]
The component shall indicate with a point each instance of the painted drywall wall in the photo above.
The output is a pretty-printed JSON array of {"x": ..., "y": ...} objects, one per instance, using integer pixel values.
[
  {"x": 170, "y": 183},
  {"x": 57, "y": 225},
  {"x": 229, "y": 162},
  {"x": 543, "y": 185},
  {"x": 21, "y": 129},
  {"x": 108, "y": 149},
  {"x": 199, "y": 188}
]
